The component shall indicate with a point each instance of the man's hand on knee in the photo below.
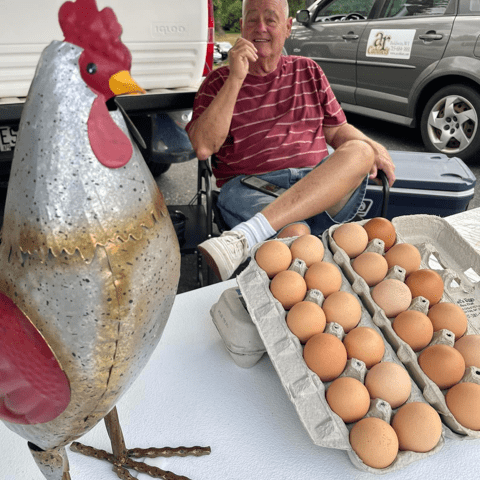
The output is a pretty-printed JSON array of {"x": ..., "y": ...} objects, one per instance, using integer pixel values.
[{"x": 383, "y": 161}]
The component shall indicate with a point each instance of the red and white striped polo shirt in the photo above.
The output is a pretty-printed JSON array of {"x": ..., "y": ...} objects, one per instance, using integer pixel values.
[{"x": 277, "y": 121}]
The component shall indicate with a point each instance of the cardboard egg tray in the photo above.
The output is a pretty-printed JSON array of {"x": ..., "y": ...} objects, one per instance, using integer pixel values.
[
  {"x": 442, "y": 249},
  {"x": 303, "y": 386}
]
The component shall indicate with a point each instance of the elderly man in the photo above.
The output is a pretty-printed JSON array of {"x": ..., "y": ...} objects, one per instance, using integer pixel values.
[{"x": 272, "y": 116}]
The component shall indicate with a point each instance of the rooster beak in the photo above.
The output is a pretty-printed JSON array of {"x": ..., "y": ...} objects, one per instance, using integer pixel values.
[{"x": 121, "y": 82}]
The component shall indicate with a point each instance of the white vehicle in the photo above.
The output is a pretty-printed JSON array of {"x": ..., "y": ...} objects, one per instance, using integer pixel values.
[{"x": 172, "y": 47}]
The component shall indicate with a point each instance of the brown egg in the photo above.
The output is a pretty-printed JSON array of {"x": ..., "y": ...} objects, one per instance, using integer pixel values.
[
  {"x": 392, "y": 296},
  {"x": 449, "y": 316},
  {"x": 418, "y": 427},
  {"x": 343, "y": 308},
  {"x": 374, "y": 441},
  {"x": 383, "y": 229},
  {"x": 289, "y": 288},
  {"x": 443, "y": 364},
  {"x": 365, "y": 344},
  {"x": 273, "y": 256},
  {"x": 390, "y": 382},
  {"x": 414, "y": 328},
  {"x": 348, "y": 398},
  {"x": 426, "y": 283},
  {"x": 305, "y": 319},
  {"x": 463, "y": 400},
  {"x": 371, "y": 266},
  {"x": 308, "y": 248},
  {"x": 325, "y": 355},
  {"x": 469, "y": 347},
  {"x": 323, "y": 276},
  {"x": 352, "y": 238},
  {"x": 404, "y": 255}
]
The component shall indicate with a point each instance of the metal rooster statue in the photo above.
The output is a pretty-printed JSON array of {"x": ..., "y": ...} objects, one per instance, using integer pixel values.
[{"x": 89, "y": 259}]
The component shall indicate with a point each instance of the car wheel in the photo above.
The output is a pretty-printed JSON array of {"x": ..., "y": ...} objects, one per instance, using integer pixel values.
[
  {"x": 158, "y": 169},
  {"x": 450, "y": 122}
]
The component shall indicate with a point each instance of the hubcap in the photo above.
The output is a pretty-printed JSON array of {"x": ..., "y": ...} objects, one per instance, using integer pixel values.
[{"x": 452, "y": 124}]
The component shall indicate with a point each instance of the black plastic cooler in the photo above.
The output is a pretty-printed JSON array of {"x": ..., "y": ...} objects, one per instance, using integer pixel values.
[{"x": 426, "y": 183}]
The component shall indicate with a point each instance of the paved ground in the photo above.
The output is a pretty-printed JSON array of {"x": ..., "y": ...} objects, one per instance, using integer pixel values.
[{"x": 179, "y": 183}]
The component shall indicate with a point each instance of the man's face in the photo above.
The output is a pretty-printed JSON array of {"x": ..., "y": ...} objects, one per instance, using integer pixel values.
[{"x": 265, "y": 25}]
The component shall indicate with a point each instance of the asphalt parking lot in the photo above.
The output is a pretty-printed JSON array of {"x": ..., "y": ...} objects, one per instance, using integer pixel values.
[{"x": 179, "y": 184}]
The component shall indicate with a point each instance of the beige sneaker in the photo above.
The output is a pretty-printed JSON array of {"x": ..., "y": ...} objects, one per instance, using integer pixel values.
[{"x": 224, "y": 254}]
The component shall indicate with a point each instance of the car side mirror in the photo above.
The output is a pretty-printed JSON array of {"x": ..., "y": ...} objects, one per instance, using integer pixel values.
[{"x": 303, "y": 16}]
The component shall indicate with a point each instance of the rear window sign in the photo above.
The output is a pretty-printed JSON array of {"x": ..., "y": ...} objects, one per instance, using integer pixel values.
[{"x": 390, "y": 43}]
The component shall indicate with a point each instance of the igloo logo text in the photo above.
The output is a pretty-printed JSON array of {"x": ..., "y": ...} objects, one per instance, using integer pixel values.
[{"x": 163, "y": 30}]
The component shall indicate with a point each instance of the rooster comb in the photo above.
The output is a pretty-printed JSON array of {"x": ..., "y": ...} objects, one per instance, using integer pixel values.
[{"x": 87, "y": 27}]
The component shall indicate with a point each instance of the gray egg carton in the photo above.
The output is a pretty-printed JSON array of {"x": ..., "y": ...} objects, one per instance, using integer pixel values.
[
  {"x": 303, "y": 387},
  {"x": 442, "y": 249}
]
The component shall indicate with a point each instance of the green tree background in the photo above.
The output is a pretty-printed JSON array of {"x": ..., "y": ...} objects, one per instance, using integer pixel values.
[{"x": 228, "y": 13}]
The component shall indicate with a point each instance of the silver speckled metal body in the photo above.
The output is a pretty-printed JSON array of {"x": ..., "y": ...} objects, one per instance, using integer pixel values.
[{"x": 88, "y": 253}]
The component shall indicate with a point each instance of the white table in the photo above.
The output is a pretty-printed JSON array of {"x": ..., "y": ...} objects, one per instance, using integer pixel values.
[{"x": 192, "y": 393}]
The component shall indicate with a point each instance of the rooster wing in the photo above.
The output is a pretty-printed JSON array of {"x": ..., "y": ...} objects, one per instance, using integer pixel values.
[{"x": 33, "y": 387}]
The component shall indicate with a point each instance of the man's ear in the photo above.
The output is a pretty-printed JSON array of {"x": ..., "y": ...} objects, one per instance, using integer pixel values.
[{"x": 289, "y": 26}]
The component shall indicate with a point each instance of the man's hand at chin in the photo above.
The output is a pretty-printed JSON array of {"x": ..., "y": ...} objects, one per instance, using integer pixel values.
[{"x": 240, "y": 56}]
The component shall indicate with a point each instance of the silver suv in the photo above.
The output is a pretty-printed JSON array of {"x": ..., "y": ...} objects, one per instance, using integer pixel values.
[{"x": 411, "y": 62}]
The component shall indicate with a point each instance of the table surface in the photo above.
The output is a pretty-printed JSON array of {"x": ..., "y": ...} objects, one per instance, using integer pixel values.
[{"x": 192, "y": 393}]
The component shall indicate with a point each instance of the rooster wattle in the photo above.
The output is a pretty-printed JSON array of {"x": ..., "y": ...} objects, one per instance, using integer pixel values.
[{"x": 89, "y": 259}]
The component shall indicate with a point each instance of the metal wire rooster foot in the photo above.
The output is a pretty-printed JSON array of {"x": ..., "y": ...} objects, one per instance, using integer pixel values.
[{"x": 122, "y": 457}]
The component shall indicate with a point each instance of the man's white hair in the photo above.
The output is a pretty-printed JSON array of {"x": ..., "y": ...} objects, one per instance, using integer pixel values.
[{"x": 284, "y": 2}]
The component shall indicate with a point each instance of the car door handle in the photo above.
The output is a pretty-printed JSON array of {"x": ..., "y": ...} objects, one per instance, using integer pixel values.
[
  {"x": 429, "y": 36},
  {"x": 350, "y": 36}
]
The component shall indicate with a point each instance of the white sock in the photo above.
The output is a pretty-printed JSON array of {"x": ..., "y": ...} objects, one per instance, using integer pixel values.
[{"x": 256, "y": 229}]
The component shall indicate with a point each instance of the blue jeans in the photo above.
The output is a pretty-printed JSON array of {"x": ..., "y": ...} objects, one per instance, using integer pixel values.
[{"x": 238, "y": 202}]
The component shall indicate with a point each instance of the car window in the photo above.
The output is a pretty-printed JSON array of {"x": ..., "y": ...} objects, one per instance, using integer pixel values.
[
  {"x": 412, "y": 8},
  {"x": 470, "y": 7},
  {"x": 344, "y": 7}
]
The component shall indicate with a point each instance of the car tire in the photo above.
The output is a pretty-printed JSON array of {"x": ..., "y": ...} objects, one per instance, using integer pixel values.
[
  {"x": 450, "y": 122},
  {"x": 158, "y": 169}
]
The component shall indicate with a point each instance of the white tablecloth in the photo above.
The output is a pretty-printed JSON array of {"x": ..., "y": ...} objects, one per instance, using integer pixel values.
[{"x": 192, "y": 393}]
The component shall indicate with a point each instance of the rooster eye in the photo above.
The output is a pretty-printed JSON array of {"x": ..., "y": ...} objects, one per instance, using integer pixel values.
[{"x": 91, "y": 68}]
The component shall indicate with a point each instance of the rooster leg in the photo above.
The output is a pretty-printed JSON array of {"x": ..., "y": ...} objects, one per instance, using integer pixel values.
[
  {"x": 112, "y": 423},
  {"x": 121, "y": 457},
  {"x": 52, "y": 463}
]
